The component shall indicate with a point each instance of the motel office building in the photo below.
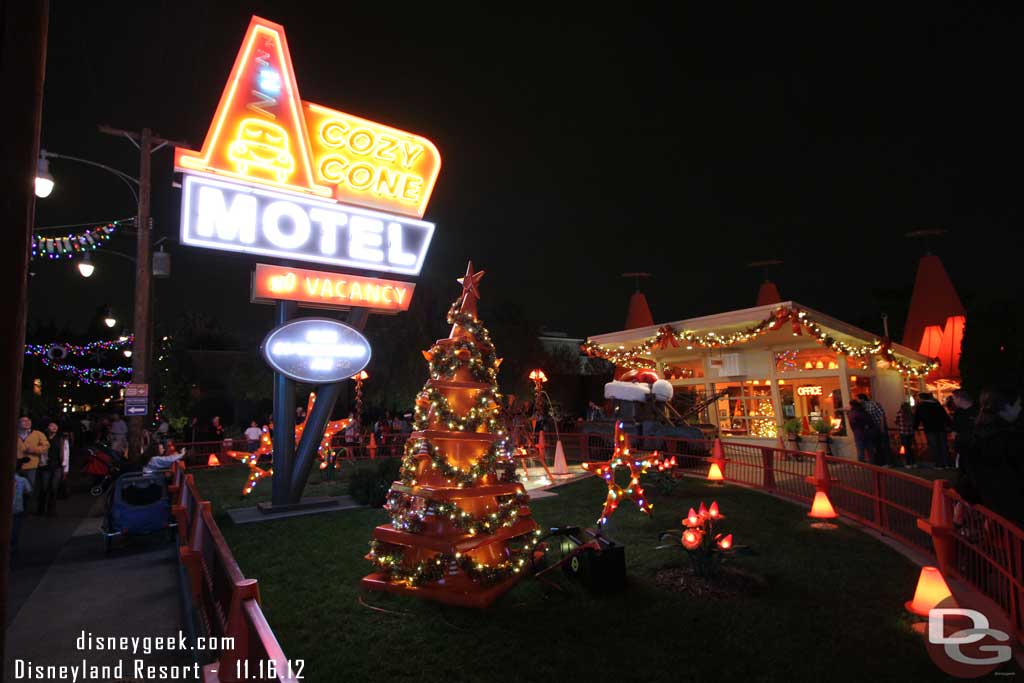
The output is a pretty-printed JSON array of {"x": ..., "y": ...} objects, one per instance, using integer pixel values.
[{"x": 778, "y": 372}]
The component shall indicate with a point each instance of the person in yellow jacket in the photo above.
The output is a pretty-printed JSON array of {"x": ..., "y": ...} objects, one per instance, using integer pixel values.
[{"x": 31, "y": 444}]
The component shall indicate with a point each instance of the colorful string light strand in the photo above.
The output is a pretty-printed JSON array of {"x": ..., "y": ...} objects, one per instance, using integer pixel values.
[
  {"x": 75, "y": 243},
  {"x": 106, "y": 377},
  {"x": 66, "y": 349}
]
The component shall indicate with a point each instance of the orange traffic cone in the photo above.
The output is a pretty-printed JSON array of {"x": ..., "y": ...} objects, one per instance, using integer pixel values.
[
  {"x": 940, "y": 527},
  {"x": 931, "y": 590},
  {"x": 561, "y": 467},
  {"x": 213, "y": 460},
  {"x": 372, "y": 446},
  {"x": 716, "y": 472}
]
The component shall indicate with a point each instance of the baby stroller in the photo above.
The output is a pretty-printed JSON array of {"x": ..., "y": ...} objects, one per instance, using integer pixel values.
[
  {"x": 137, "y": 504},
  {"x": 104, "y": 465}
]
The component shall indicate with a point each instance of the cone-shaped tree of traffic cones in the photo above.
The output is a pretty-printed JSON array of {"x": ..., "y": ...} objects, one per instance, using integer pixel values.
[{"x": 460, "y": 531}]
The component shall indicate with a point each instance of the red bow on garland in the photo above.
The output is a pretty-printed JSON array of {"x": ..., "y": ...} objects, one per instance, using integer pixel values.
[{"x": 666, "y": 338}]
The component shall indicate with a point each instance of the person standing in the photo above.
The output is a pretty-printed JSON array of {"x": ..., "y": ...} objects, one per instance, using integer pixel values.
[
  {"x": 993, "y": 471},
  {"x": 31, "y": 444},
  {"x": 930, "y": 416},
  {"x": 865, "y": 431},
  {"x": 22, "y": 487},
  {"x": 51, "y": 470},
  {"x": 905, "y": 427},
  {"x": 216, "y": 429},
  {"x": 965, "y": 414},
  {"x": 119, "y": 434},
  {"x": 252, "y": 436},
  {"x": 877, "y": 413}
]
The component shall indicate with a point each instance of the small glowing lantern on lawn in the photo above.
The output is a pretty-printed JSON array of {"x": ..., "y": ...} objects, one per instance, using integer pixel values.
[
  {"x": 725, "y": 543},
  {"x": 931, "y": 590},
  {"x": 715, "y": 473},
  {"x": 822, "y": 508},
  {"x": 213, "y": 460}
]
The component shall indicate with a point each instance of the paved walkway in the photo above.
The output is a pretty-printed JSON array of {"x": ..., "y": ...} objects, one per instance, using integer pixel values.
[{"x": 63, "y": 584}]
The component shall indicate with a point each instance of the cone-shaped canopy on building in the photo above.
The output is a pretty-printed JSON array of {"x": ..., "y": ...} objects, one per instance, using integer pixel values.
[
  {"x": 639, "y": 313},
  {"x": 768, "y": 294},
  {"x": 933, "y": 301}
]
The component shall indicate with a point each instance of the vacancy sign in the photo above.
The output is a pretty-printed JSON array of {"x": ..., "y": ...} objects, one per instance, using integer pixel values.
[
  {"x": 282, "y": 177},
  {"x": 321, "y": 289}
]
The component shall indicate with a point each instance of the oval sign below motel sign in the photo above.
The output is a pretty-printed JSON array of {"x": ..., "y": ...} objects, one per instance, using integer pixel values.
[{"x": 316, "y": 350}]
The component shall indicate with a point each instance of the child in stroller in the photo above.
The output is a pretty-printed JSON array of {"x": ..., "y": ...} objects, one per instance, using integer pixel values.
[{"x": 104, "y": 464}]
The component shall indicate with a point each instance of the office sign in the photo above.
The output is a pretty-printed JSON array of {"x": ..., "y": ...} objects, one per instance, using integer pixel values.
[
  {"x": 810, "y": 390},
  {"x": 320, "y": 289},
  {"x": 316, "y": 350},
  {"x": 263, "y": 133},
  {"x": 223, "y": 215}
]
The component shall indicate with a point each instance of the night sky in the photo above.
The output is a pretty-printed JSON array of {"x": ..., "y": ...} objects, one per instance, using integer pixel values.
[{"x": 577, "y": 145}]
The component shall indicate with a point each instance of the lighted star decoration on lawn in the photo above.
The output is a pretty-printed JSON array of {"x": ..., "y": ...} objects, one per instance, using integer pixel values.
[
  {"x": 470, "y": 295},
  {"x": 623, "y": 457},
  {"x": 266, "y": 447}
]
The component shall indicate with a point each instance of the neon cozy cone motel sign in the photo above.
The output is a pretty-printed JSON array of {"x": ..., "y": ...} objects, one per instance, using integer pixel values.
[{"x": 291, "y": 179}]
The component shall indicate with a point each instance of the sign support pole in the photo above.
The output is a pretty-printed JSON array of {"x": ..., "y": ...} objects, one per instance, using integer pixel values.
[
  {"x": 326, "y": 398},
  {"x": 284, "y": 421}
]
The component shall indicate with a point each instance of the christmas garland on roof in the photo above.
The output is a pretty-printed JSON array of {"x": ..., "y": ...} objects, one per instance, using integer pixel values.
[{"x": 668, "y": 337}]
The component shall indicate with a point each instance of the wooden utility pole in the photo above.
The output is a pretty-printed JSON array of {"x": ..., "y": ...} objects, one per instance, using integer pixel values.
[
  {"x": 142, "y": 323},
  {"x": 22, "y": 71}
]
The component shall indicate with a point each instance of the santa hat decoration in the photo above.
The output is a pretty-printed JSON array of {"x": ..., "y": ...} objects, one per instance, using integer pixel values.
[
  {"x": 629, "y": 376},
  {"x": 662, "y": 390},
  {"x": 647, "y": 376}
]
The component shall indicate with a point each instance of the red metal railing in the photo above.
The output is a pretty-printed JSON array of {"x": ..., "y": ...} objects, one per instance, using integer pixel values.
[
  {"x": 970, "y": 543},
  {"x": 228, "y": 603}
]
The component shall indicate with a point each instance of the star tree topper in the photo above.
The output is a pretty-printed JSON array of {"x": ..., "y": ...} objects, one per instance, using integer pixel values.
[
  {"x": 623, "y": 457},
  {"x": 470, "y": 293}
]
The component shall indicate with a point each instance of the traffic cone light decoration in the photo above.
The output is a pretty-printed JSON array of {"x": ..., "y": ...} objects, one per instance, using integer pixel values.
[
  {"x": 213, "y": 460},
  {"x": 372, "y": 446},
  {"x": 716, "y": 471},
  {"x": 461, "y": 532},
  {"x": 821, "y": 506},
  {"x": 931, "y": 590},
  {"x": 561, "y": 468}
]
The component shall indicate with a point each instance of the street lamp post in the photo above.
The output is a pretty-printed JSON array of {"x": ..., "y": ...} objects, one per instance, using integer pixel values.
[{"x": 140, "y": 188}]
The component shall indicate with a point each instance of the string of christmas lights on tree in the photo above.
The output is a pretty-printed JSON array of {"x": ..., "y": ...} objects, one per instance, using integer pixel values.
[
  {"x": 75, "y": 243},
  {"x": 667, "y": 337},
  {"x": 105, "y": 377},
  {"x": 58, "y": 351},
  {"x": 458, "y": 512}
]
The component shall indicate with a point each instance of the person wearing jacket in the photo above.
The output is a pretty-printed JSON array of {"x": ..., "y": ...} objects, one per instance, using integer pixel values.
[
  {"x": 930, "y": 416},
  {"x": 31, "y": 444},
  {"x": 51, "y": 470},
  {"x": 993, "y": 471},
  {"x": 905, "y": 427},
  {"x": 865, "y": 431},
  {"x": 965, "y": 414}
]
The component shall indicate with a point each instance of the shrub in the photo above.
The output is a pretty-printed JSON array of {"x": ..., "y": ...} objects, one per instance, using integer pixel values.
[{"x": 371, "y": 481}]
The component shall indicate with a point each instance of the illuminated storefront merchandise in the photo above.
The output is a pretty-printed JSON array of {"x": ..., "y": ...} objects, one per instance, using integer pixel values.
[{"x": 777, "y": 373}]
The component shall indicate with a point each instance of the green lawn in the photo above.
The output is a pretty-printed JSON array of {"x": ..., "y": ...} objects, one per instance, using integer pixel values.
[{"x": 832, "y": 609}]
